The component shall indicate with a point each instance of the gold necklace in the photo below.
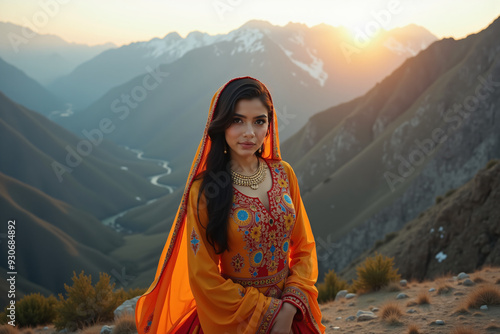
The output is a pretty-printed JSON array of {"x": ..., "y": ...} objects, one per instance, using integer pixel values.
[{"x": 251, "y": 181}]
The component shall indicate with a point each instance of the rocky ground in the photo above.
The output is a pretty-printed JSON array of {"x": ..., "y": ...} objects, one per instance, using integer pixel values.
[
  {"x": 445, "y": 312},
  {"x": 437, "y": 306}
]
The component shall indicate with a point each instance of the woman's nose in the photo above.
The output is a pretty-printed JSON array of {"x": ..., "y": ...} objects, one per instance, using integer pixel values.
[{"x": 249, "y": 130}]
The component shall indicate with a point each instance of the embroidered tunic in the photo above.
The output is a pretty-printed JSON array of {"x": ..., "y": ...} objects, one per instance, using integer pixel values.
[{"x": 269, "y": 261}]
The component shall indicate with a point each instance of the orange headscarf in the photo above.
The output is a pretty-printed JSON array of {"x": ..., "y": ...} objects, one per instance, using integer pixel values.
[{"x": 169, "y": 300}]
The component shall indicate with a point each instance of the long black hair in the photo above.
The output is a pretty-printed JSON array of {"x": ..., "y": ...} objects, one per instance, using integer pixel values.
[{"x": 217, "y": 184}]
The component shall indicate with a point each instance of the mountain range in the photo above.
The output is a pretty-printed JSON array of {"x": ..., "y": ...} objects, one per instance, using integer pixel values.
[{"x": 373, "y": 142}]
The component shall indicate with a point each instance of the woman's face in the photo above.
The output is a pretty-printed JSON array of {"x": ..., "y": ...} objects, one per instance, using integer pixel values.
[{"x": 249, "y": 124}]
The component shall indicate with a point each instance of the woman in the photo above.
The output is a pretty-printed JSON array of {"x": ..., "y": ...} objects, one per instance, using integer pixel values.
[{"x": 240, "y": 256}]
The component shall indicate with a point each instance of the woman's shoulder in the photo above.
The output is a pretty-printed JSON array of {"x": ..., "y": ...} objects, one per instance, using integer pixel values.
[{"x": 286, "y": 166}]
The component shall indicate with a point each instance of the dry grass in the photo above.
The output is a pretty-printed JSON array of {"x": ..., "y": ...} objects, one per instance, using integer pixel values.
[
  {"x": 486, "y": 294},
  {"x": 463, "y": 330},
  {"x": 391, "y": 312},
  {"x": 393, "y": 286},
  {"x": 488, "y": 268},
  {"x": 8, "y": 329},
  {"x": 423, "y": 298},
  {"x": 443, "y": 287},
  {"x": 413, "y": 329},
  {"x": 462, "y": 309},
  {"x": 493, "y": 327},
  {"x": 125, "y": 324},
  {"x": 94, "y": 329}
]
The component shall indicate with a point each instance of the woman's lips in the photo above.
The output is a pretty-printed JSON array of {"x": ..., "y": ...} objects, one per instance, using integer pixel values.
[{"x": 247, "y": 145}]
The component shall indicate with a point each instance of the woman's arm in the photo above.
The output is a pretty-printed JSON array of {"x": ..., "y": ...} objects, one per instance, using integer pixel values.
[{"x": 300, "y": 289}]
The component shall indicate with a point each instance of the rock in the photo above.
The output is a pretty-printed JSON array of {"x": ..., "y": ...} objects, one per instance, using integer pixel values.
[
  {"x": 336, "y": 328},
  {"x": 462, "y": 276},
  {"x": 360, "y": 312},
  {"x": 403, "y": 282},
  {"x": 107, "y": 329},
  {"x": 375, "y": 309},
  {"x": 127, "y": 306},
  {"x": 402, "y": 296},
  {"x": 439, "y": 322},
  {"x": 350, "y": 295},
  {"x": 63, "y": 331},
  {"x": 351, "y": 318},
  {"x": 45, "y": 328},
  {"x": 411, "y": 311},
  {"x": 468, "y": 282},
  {"x": 341, "y": 294},
  {"x": 483, "y": 307},
  {"x": 432, "y": 290},
  {"x": 351, "y": 304},
  {"x": 366, "y": 317},
  {"x": 338, "y": 318}
]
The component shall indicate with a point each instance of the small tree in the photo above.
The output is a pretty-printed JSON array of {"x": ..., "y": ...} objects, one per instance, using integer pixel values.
[
  {"x": 330, "y": 287},
  {"x": 375, "y": 273},
  {"x": 86, "y": 305},
  {"x": 35, "y": 309}
]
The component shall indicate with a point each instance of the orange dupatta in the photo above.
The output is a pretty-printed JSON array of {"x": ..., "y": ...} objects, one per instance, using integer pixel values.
[{"x": 169, "y": 300}]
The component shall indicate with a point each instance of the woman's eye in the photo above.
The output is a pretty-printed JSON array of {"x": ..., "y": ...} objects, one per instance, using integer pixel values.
[{"x": 260, "y": 121}]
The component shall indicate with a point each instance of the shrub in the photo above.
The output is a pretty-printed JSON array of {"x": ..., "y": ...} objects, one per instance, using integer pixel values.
[
  {"x": 423, "y": 298},
  {"x": 85, "y": 304},
  {"x": 35, "y": 309},
  {"x": 463, "y": 330},
  {"x": 393, "y": 286},
  {"x": 450, "y": 192},
  {"x": 483, "y": 295},
  {"x": 330, "y": 287},
  {"x": 413, "y": 329},
  {"x": 375, "y": 273},
  {"x": 391, "y": 312},
  {"x": 439, "y": 199},
  {"x": 125, "y": 324},
  {"x": 443, "y": 287},
  {"x": 491, "y": 163}
]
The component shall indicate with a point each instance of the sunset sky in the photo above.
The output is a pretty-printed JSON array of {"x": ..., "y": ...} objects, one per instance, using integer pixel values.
[{"x": 125, "y": 21}]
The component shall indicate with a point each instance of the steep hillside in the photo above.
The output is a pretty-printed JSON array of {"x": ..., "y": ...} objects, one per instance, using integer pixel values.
[
  {"x": 460, "y": 232},
  {"x": 52, "y": 239},
  {"x": 368, "y": 166},
  {"x": 44, "y": 155},
  {"x": 24, "y": 90}
]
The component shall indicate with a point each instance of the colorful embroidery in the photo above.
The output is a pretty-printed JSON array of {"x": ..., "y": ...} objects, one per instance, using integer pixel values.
[
  {"x": 271, "y": 313},
  {"x": 266, "y": 234},
  {"x": 238, "y": 262},
  {"x": 298, "y": 298},
  {"x": 260, "y": 281},
  {"x": 273, "y": 291},
  {"x": 195, "y": 241}
]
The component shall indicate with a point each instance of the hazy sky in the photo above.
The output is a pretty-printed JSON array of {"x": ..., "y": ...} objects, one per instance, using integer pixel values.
[{"x": 125, "y": 21}]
